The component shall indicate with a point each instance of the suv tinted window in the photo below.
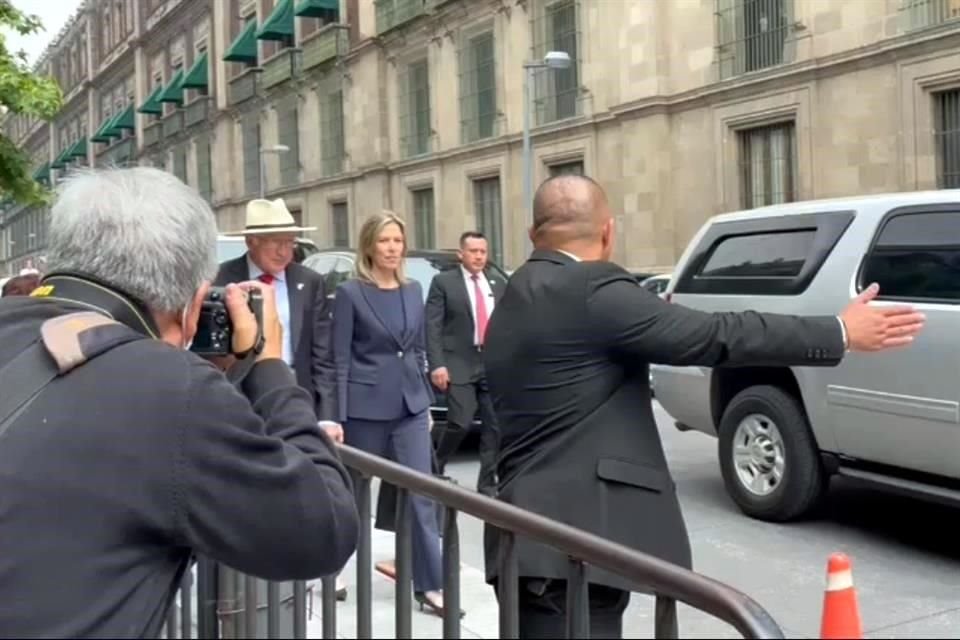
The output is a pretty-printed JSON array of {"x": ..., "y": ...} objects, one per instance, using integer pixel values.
[
  {"x": 760, "y": 255},
  {"x": 917, "y": 256}
]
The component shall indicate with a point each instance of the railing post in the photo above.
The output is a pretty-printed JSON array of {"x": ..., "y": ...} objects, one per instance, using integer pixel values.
[
  {"x": 172, "y": 620},
  {"x": 228, "y": 603},
  {"x": 273, "y": 610},
  {"x": 665, "y": 619},
  {"x": 404, "y": 555},
  {"x": 249, "y": 607},
  {"x": 451, "y": 576},
  {"x": 328, "y": 595},
  {"x": 300, "y": 610},
  {"x": 361, "y": 485},
  {"x": 578, "y": 601},
  {"x": 207, "y": 624},
  {"x": 508, "y": 586},
  {"x": 186, "y": 605}
]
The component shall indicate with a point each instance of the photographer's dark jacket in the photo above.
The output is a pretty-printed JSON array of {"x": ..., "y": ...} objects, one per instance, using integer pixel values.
[{"x": 127, "y": 464}]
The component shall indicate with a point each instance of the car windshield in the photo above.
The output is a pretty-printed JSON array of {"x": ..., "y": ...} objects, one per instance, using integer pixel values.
[
  {"x": 423, "y": 269},
  {"x": 230, "y": 248}
]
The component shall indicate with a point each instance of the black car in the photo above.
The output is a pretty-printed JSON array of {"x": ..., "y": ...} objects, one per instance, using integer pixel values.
[{"x": 338, "y": 265}]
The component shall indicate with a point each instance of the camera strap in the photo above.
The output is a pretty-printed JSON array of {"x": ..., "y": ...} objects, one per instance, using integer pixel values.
[
  {"x": 22, "y": 379},
  {"x": 66, "y": 342}
]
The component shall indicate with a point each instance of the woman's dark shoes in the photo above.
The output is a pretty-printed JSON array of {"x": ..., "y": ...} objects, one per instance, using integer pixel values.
[{"x": 426, "y": 602}]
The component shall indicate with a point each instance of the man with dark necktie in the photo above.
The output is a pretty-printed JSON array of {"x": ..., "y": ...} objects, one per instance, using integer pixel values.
[{"x": 459, "y": 307}]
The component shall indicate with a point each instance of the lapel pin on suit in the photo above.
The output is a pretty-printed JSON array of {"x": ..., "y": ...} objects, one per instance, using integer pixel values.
[{"x": 299, "y": 286}]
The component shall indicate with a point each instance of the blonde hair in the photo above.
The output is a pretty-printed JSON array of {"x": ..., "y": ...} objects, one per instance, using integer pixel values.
[{"x": 367, "y": 244}]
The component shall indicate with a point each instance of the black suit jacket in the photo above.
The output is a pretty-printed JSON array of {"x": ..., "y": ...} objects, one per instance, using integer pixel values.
[
  {"x": 309, "y": 328},
  {"x": 450, "y": 325},
  {"x": 566, "y": 361}
]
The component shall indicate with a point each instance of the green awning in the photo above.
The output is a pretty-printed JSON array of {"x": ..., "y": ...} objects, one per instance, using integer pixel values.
[
  {"x": 152, "y": 105},
  {"x": 42, "y": 173},
  {"x": 244, "y": 48},
  {"x": 279, "y": 24},
  {"x": 112, "y": 130},
  {"x": 126, "y": 119},
  {"x": 63, "y": 158},
  {"x": 105, "y": 132},
  {"x": 326, "y": 9},
  {"x": 79, "y": 149},
  {"x": 196, "y": 78},
  {"x": 174, "y": 91}
]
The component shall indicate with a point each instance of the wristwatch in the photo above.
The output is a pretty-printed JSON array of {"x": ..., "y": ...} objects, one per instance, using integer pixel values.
[{"x": 257, "y": 347}]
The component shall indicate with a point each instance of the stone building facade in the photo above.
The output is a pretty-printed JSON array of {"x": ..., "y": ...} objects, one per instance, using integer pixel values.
[{"x": 681, "y": 108}]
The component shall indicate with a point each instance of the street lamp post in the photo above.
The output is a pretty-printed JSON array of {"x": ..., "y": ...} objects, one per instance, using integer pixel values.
[
  {"x": 280, "y": 148},
  {"x": 553, "y": 60}
]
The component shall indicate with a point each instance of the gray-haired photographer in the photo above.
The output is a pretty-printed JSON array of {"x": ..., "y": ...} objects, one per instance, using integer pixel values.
[{"x": 122, "y": 453}]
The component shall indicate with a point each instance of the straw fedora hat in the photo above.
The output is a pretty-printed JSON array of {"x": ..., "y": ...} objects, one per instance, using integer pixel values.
[{"x": 269, "y": 216}]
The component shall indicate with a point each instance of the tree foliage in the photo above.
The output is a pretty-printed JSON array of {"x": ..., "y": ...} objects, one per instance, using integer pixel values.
[{"x": 26, "y": 93}]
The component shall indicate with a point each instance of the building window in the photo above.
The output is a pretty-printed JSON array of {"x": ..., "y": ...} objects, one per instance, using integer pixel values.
[
  {"x": 424, "y": 219},
  {"x": 204, "y": 169},
  {"x": 751, "y": 35},
  {"x": 250, "y": 132},
  {"x": 415, "y": 110},
  {"x": 180, "y": 163},
  {"x": 487, "y": 209},
  {"x": 289, "y": 136},
  {"x": 947, "y": 135},
  {"x": 919, "y": 14},
  {"x": 332, "y": 149},
  {"x": 340, "y": 221},
  {"x": 767, "y": 167},
  {"x": 557, "y": 91},
  {"x": 478, "y": 90},
  {"x": 567, "y": 168}
]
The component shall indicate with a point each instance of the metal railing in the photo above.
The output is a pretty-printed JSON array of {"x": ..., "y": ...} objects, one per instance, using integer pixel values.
[{"x": 223, "y": 611}]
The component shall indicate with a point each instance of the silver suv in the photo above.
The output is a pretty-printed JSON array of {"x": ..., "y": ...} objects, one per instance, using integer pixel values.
[{"x": 891, "y": 418}]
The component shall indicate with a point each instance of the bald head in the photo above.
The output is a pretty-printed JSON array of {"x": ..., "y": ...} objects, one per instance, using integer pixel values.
[{"x": 569, "y": 209}]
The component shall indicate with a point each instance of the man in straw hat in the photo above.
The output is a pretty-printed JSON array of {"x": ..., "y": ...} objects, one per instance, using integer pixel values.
[
  {"x": 271, "y": 235},
  {"x": 302, "y": 304}
]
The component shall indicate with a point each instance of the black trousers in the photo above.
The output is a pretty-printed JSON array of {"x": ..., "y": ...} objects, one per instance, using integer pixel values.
[
  {"x": 543, "y": 609},
  {"x": 463, "y": 400}
]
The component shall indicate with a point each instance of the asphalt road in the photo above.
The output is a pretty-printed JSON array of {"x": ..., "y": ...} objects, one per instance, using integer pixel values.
[{"x": 906, "y": 554}]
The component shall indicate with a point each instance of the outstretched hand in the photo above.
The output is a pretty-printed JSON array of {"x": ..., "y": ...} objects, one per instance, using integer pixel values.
[{"x": 871, "y": 328}]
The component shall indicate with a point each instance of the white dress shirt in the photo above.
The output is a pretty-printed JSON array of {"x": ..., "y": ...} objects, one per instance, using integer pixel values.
[
  {"x": 471, "y": 293},
  {"x": 283, "y": 306}
]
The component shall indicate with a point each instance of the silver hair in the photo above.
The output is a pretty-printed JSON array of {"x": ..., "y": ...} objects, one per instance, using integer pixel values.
[{"x": 139, "y": 229}]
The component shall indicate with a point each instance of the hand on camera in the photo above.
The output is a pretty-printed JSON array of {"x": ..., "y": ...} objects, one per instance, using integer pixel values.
[{"x": 245, "y": 323}]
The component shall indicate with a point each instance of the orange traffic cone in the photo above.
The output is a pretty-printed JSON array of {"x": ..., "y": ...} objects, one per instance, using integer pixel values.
[{"x": 841, "y": 613}]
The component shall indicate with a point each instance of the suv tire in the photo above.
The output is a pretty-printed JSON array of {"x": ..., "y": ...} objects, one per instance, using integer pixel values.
[{"x": 766, "y": 428}]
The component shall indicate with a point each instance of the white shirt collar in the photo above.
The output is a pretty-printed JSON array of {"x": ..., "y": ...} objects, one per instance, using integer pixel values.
[
  {"x": 570, "y": 255},
  {"x": 256, "y": 271}
]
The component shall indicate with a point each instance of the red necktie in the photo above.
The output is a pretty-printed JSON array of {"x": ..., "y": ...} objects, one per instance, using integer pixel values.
[
  {"x": 265, "y": 278},
  {"x": 481, "y": 309}
]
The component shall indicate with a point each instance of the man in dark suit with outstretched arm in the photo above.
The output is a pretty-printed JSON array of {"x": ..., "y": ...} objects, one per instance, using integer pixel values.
[{"x": 567, "y": 366}]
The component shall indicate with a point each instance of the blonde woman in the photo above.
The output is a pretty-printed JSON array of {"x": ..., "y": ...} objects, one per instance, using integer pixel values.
[{"x": 384, "y": 397}]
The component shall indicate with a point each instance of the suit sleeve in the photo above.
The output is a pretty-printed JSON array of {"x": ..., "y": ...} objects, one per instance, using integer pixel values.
[
  {"x": 421, "y": 341},
  {"x": 259, "y": 486},
  {"x": 435, "y": 312},
  {"x": 322, "y": 364},
  {"x": 341, "y": 347},
  {"x": 639, "y": 324}
]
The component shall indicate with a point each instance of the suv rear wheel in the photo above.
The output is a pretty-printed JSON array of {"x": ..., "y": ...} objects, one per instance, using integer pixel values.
[{"x": 768, "y": 457}]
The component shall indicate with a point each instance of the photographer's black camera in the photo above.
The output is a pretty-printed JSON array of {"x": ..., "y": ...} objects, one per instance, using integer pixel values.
[{"x": 214, "y": 329}]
